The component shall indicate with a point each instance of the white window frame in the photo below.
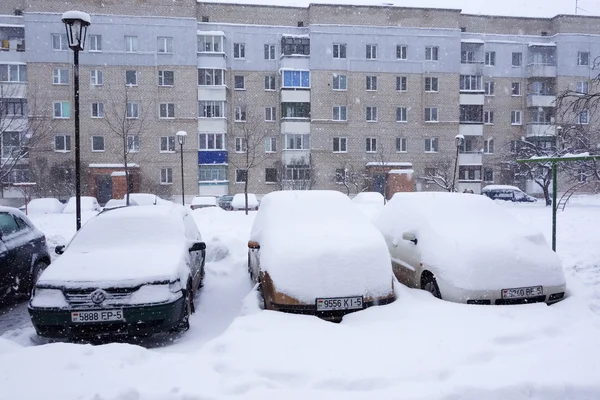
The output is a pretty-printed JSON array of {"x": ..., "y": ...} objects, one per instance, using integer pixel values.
[
  {"x": 488, "y": 117},
  {"x": 401, "y": 83},
  {"x": 402, "y": 113},
  {"x": 63, "y": 42},
  {"x": 210, "y": 141},
  {"x": 583, "y": 117},
  {"x": 432, "y": 53},
  {"x": 211, "y": 106},
  {"x": 166, "y": 111},
  {"x": 18, "y": 71},
  {"x": 164, "y": 45},
  {"x": 431, "y": 115},
  {"x": 270, "y": 83},
  {"x": 371, "y": 114},
  {"x": 162, "y": 77},
  {"x": 131, "y": 44},
  {"x": 401, "y": 52},
  {"x": 95, "y": 43},
  {"x": 270, "y": 114},
  {"x": 166, "y": 176},
  {"x": 431, "y": 84},
  {"x": 133, "y": 143},
  {"x": 235, "y": 82},
  {"x": 270, "y": 52},
  {"x": 339, "y": 51},
  {"x": 516, "y": 117},
  {"x": 403, "y": 142},
  {"x": 239, "y": 51},
  {"x": 301, "y": 139},
  {"x": 583, "y": 58},
  {"x": 489, "y": 88},
  {"x": 96, "y": 77},
  {"x": 270, "y": 145},
  {"x": 297, "y": 79},
  {"x": 488, "y": 146},
  {"x": 371, "y": 145},
  {"x": 215, "y": 44},
  {"x": 371, "y": 83},
  {"x": 62, "y": 113},
  {"x": 166, "y": 144},
  {"x": 519, "y": 58},
  {"x": 341, "y": 143},
  {"x": 66, "y": 143},
  {"x": 432, "y": 145},
  {"x": 517, "y": 86},
  {"x": 371, "y": 51},
  {"x": 490, "y": 58},
  {"x": 583, "y": 87},
  {"x": 59, "y": 75},
  {"x": 95, "y": 150},
  {"x": 341, "y": 81},
  {"x": 339, "y": 113},
  {"x": 240, "y": 114},
  {"x": 97, "y": 109},
  {"x": 241, "y": 145},
  {"x": 128, "y": 75},
  {"x": 132, "y": 110}
]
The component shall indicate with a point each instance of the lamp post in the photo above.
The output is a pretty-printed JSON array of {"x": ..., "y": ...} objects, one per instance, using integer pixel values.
[
  {"x": 458, "y": 139},
  {"x": 181, "y": 139},
  {"x": 76, "y": 23}
]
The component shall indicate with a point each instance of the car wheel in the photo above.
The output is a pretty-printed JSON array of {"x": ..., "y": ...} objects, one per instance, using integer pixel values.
[
  {"x": 184, "y": 323},
  {"x": 40, "y": 266},
  {"x": 429, "y": 284}
]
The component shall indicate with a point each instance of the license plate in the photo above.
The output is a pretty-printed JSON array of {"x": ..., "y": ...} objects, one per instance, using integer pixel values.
[
  {"x": 339, "y": 303},
  {"x": 97, "y": 316},
  {"x": 522, "y": 293}
]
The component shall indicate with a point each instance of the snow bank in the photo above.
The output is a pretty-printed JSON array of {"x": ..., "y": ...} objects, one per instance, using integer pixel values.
[
  {"x": 45, "y": 206},
  {"x": 369, "y": 203}
]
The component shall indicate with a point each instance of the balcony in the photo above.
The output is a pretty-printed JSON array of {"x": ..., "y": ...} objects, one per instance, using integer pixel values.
[
  {"x": 294, "y": 157},
  {"x": 469, "y": 129},
  {"x": 541, "y": 71},
  {"x": 472, "y": 158},
  {"x": 476, "y": 98},
  {"x": 212, "y": 60},
  {"x": 541, "y": 130},
  {"x": 295, "y": 126},
  {"x": 212, "y": 125},
  {"x": 295, "y": 96},
  {"x": 214, "y": 93},
  {"x": 541, "y": 100},
  {"x": 472, "y": 68}
]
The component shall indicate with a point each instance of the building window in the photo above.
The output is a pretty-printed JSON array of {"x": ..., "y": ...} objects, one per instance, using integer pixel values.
[
  {"x": 517, "y": 59},
  {"x": 467, "y": 57},
  {"x": 297, "y": 141},
  {"x": 240, "y": 113},
  {"x": 166, "y": 110},
  {"x": 166, "y": 176},
  {"x": 431, "y": 145},
  {"x": 296, "y": 79},
  {"x": 62, "y": 109},
  {"x": 401, "y": 145},
  {"x": 241, "y": 175},
  {"x": 95, "y": 43},
  {"x": 295, "y": 45},
  {"x": 469, "y": 173},
  {"x": 301, "y": 173},
  {"x": 62, "y": 143},
  {"x": 60, "y": 76},
  {"x": 211, "y": 77},
  {"x": 372, "y": 114},
  {"x": 97, "y": 110},
  {"x": 164, "y": 44},
  {"x": 131, "y": 44},
  {"x": 209, "y": 44},
  {"x": 490, "y": 58},
  {"x": 515, "y": 117},
  {"x": 488, "y": 88},
  {"x": 339, "y": 113},
  {"x": 270, "y": 82},
  {"x": 431, "y": 84},
  {"x": 167, "y": 144},
  {"x": 488, "y": 146},
  {"x": 583, "y": 87},
  {"x": 13, "y": 107},
  {"x": 133, "y": 143},
  {"x": 131, "y": 78},
  {"x": 166, "y": 78},
  {"x": 11, "y": 145},
  {"x": 270, "y": 145},
  {"x": 583, "y": 117},
  {"x": 471, "y": 114},
  {"x": 371, "y": 52},
  {"x": 339, "y": 50},
  {"x": 133, "y": 110},
  {"x": 401, "y": 114},
  {"x": 401, "y": 84},
  {"x": 13, "y": 73},
  {"x": 488, "y": 117},
  {"x": 269, "y": 51},
  {"x": 270, "y": 175},
  {"x": 340, "y": 145},
  {"x": 241, "y": 146},
  {"x": 371, "y": 83},
  {"x": 96, "y": 77},
  {"x": 371, "y": 145},
  {"x": 432, "y": 53},
  {"x": 97, "y": 143},
  {"x": 271, "y": 114},
  {"x": 340, "y": 82},
  {"x": 239, "y": 50},
  {"x": 401, "y": 51},
  {"x": 295, "y": 110},
  {"x": 207, "y": 173},
  {"x": 211, "y": 141},
  {"x": 59, "y": 41},
  {"x": 431, "y": 114},
  {"x": 515, "y": 89},
  {"x": 211, "y": 109},
  {"x": 239, "y": 82},
  {"x": 583, "y": 58},
  {"x": 488, "y": 174},
  {"x": 470, "y": 83}
]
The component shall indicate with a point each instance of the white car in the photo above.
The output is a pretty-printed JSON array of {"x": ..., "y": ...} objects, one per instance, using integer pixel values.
[
  {"x": 311, "y": 253},
  {"x": 88, "y": 203},
  {"x": 203, "y": 201},
  {"x": 129, "y": 270},
  {"x": 44, "y": 206},
  {"x": 239, "y": 202},
  {"x": 468, "y": 249},
  {"x": 146, "y": 199},
  {"x": 114, "y": 203}
]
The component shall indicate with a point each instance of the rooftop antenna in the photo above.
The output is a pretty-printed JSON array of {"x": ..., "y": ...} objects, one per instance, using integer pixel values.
[{"x": 577, "y": 8}]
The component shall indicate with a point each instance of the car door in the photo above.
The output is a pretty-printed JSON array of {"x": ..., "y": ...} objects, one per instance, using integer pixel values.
[
  {"x": 196, "y": 257},
  {"x": 13, "y": 254},
  {"x": 406, "y": 260}
]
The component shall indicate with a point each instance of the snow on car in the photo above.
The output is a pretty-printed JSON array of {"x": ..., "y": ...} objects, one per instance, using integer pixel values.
[
  {"x": 114, "y": 203},
  {"x": 369, "y": 203},
  {"x": 312, "y": 254},
  {"x": 239, "y": 202},
  {"x": 87, "y": 204},
  {"x": 468, "y": 249},
  {"x": 146, "y": 199},
  {"x": 132, "y": 270},
  {"x": 45, "y": 206},
  {"x": 203, "y": 202}
]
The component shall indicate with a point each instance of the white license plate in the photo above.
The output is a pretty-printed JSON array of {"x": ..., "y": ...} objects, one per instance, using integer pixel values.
[
  {"x": 339, "y": 303},
  {"x": 522, "y": 293},
  {"x": 97, "y": 316}
]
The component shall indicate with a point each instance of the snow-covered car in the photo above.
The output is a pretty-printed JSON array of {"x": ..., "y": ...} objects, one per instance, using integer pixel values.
[
  {"x": 129, "y": 270},
  {"x": 508, "y": 193},
  {"x": 146, "y": 199},
  {"x": 114, "y": 203},
  {"x": 369, "y": 203},
  {"x": 225, "y": 202},
  {"x": 239, "y": 202},
  {"x": 88, "y": 203},
  {"x": 203, "y": 201},
  {"x": 311, "y": 253},
  {"x": 23, "y": 253},
  {"x": 468, "y": 249},
  {"x": 45, "y": 206}
]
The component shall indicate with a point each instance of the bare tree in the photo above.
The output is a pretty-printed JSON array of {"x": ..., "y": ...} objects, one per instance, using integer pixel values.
[
  {"x": 440, "y": 173},
  {"x": 349, "y": 178},
  {"x": 55, "y": 180},
  {"x": 298, "y": 174}
]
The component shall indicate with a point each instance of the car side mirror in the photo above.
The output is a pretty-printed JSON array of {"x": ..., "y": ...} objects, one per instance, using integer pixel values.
[
  {"x": 59, "y": 249},
  {"x": 198, "y": 246},
  {"x": 253, "y": 245},
  {"x": 410, "y": 236}
]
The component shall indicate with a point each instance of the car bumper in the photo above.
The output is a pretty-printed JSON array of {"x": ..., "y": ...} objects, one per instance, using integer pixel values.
[
  {"x": 138, "y": 320},
  {"x": 550, "y": 295}
]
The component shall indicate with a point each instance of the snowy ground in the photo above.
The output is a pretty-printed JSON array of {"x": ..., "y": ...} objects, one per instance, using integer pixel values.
[{"x": 416, "y": 348}]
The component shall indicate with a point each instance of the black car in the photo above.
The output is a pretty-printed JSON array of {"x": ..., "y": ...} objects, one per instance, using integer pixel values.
[{"x": 23, "y": 254}]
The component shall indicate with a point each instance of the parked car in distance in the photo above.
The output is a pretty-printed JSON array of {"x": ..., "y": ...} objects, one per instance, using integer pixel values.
[
  {"x": 114, "y": 203},
  {"x": 506, "y": 192},
  {"x": 127, "y": 271},
  {"x": 23, "y": 253},
  {"x": 312, "y": 253},
  {"x": 47, "y": 205},
  {"x": 87, "y": 204},
  {"x": 239, "y": 202},
  {"x": 225, "y": 202},
  {"x": 468, "y": 249},
  {"x": 203, "y": 201}
]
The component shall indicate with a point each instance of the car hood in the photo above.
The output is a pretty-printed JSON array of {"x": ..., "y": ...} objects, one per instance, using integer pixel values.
[{"x": 117, "y": 267}]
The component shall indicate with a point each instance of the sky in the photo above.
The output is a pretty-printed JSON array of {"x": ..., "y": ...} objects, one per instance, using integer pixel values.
[{"x": 519, "y": 8}]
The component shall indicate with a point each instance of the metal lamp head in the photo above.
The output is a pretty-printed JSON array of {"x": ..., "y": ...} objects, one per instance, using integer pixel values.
[
  {"x": 76, "y": 23},
  {"x": 459, "y": 140},
  {"x": 181, "y": 137}
]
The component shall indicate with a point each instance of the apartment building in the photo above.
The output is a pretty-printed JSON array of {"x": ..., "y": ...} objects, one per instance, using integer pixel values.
[{"x": 325, "y": 96}]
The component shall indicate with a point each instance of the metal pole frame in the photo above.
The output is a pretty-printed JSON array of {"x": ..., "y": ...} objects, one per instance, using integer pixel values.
[
  {"x": 77, "y": 141},
  {"x": 182, "y": 183}
]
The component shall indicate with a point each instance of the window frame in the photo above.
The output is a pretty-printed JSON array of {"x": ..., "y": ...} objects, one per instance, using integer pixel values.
[
  {"x": 58, "y": 74},
  {"x": 340, "y": 49},
  {"x": 207, "y": 108},
  {"x": 129, "y": 75},
  {"x": 132, "y": 110},
  {"x": 519, "y": 58},
  {"x": 489, "y": 88},
  {"x": 489, "y": 58},
  {"x": 95, "y": 43},
  {"x": 99, "y": 108},
  {"x": 162, "y": 77},
  {"x": 96, "y": 77},
  {"x": 430, "y": 118},
  {"x": 488, "y": 117},
  {"x": 341, "y": 109},
  {"x": 62, "y": 110},
  {"x": 270, "y": 114},
  {"x": 299, "y": 79},
  {"x": 342, "y": 144},
  {"x": 270, "y": 51},
  {"x": 488, "y": 144},
  {"x": 166, "y": 176},
  {"x": 371, "y": 144},
  {"x": 164, "y": 45},
  {"x": 205, "y": 139},
  {"x": 133, "y": 144},
  {"x": 401, "y": 83},
  {"x": 371, "y": 113},
  {"x": 169, "y": 111},
  {"x": 371, "y": 83},
  {"x": 402, "y": 112},
  {"x": 340, "y": 78},
  {"x": 432, "y": 145},
  {"x": 63, "y": 42},
  {"x": 270, "y": 83},
  {"x": 131, "y": 44},
  {"x": 401, "y": 52},
  {"x": 66, "y": 143},
  {"x": 518, "y": 91},
  {"x": 240, "y": 114},
  {"x": 239, "y": 51},
  {"x": 371, "y": 51},
  {"x": 433, "y": 83},
  {"x": 271, "y": 145},
  {"x": 94, "y": 149},
  {"x": 513, "y": 119},
  {"x": 237, "y": 79},
  {"x": 432, "y": 53},
  {"x": 169, "y": 142},
  {"x": 581, "y": 60},
  {"x": 241, "y": 145}
]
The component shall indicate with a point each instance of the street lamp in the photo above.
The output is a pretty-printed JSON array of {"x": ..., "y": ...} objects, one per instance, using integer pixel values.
[
  {"x": 181, "y": 139},
  {"x": 76, "y": 23},
  {"x": 458, "y": 139}
]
